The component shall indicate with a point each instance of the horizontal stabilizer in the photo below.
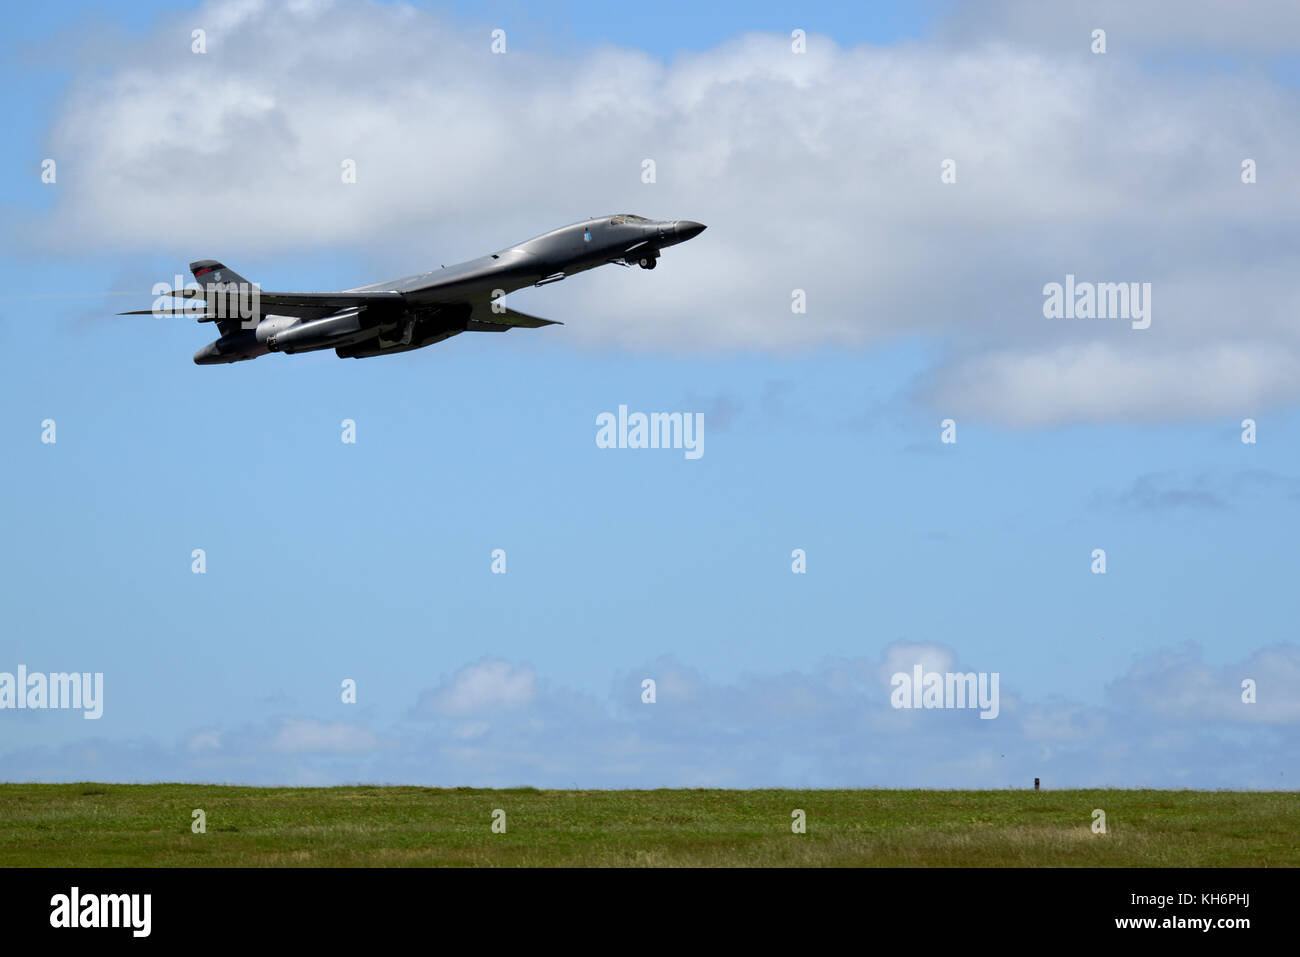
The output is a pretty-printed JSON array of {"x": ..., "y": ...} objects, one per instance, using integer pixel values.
[{"x": 483, "y": 319}]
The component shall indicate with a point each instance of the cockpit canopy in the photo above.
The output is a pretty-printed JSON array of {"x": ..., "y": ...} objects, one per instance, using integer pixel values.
[{"x": 627, "y": 218}]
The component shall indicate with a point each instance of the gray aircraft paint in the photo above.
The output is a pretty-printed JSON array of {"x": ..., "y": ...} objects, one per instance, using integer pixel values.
[{"x": 417, "y": 311}]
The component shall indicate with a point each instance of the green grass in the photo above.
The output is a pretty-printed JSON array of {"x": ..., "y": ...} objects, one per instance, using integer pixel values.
[{"x": 113, "y": 825}]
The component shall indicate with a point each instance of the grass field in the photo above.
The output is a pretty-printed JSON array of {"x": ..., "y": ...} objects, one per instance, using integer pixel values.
[{"x": 93, "y": 825}]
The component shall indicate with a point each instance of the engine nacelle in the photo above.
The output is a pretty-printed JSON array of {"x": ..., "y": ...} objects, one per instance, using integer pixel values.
[
  {"x": 337, "y": 330},
  {"x": 274, "y": 325}
]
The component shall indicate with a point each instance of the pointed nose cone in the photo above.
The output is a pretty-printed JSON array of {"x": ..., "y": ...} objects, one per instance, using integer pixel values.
[{"x": 688, "y": 229}]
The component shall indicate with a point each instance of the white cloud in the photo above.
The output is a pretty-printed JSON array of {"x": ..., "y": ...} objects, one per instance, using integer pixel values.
[
  {"x": 1171, "y": 719},
  {"x": 1084, "y": 382},
  {"x": 903, "y": 656},
  {"x": 483, "y": 686},
  {"x": 1176, "y": 685},
  {"x": 201, "y": 741},
  {"x": 297, "y": 735},
  {"x": 818, "y": 172},
  {"x": 1257, "y": 26}
]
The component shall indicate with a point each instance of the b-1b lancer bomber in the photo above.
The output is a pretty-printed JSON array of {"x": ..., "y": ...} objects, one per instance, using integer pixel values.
[{"x": 416, "y": 311}]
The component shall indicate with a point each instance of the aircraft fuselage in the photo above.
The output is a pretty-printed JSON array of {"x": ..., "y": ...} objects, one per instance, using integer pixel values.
[{"x": 416, "y": 311}]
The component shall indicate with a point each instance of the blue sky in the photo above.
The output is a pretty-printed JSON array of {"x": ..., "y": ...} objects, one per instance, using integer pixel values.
[{"x": 371, "y": 561}]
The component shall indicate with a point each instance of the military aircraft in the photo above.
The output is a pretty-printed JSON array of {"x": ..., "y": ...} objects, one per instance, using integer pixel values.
[{"x": 417, "y": 311}]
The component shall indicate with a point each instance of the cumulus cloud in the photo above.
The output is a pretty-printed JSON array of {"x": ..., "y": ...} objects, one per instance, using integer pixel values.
[
  {"x": 1178, "y": 686},
  {"x": 486, "y": 685},
  {"x": 818, "y": 172},
  {"x": 1261, "y": 26},
  {"x": 1171, "y": 720},
  {"x": 901, "y": 656},
  {"x": 1087, "y": 381},
  {"x": 296, "y": 735}
]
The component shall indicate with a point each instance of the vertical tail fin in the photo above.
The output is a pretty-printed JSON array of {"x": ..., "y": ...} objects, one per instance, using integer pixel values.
[{"x": 209, "y": 272}]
